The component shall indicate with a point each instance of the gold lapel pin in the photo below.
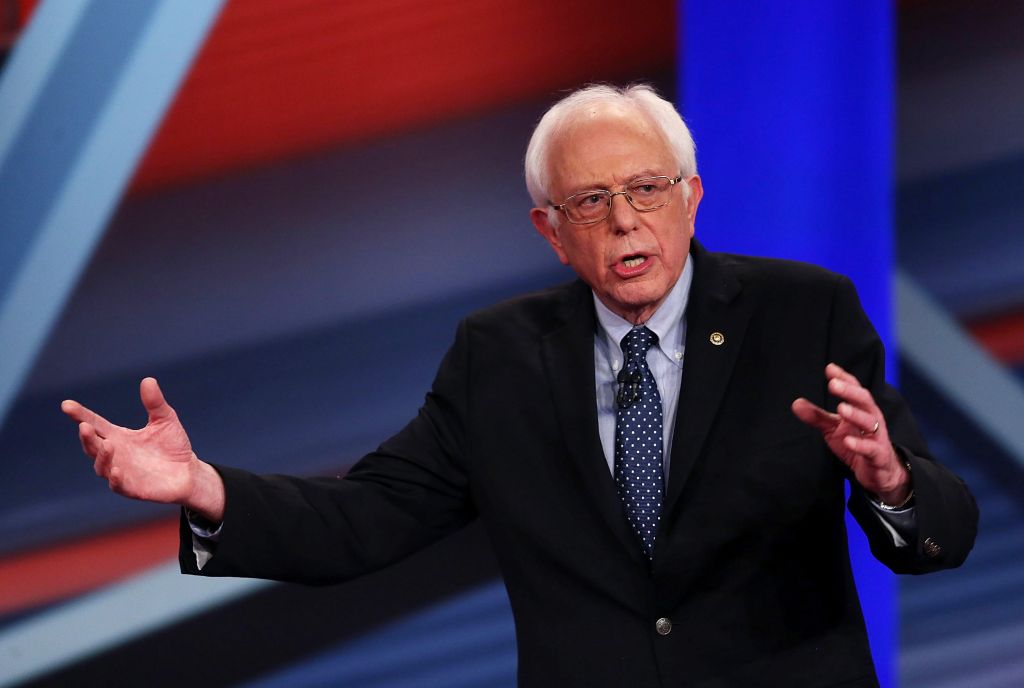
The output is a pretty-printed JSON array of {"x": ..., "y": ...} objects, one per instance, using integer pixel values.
[{"x": 717, "y": 338}]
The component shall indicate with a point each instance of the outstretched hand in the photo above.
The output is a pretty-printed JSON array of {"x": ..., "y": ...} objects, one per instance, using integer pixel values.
[
  {"x": 155, "y": 463},
  {"x": 857, "y": 434}
]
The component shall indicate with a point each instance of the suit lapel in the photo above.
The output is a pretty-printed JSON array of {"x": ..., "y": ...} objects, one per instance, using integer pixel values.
[
  {"x": 569, "y": 363},
  {"x": 716, "y": 321}
]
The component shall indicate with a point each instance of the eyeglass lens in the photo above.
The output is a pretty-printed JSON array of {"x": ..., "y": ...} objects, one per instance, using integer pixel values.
[{"x": 643, "y": 194}]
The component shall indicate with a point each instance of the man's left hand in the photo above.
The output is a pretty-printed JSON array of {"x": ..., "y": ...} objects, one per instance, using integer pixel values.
[{"x": 857, "y": 434}]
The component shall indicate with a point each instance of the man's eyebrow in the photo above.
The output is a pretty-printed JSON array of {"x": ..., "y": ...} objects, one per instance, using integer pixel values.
[
  {"x": 646, "y": 172},
  {"x": 598, "y": 186},
  {"x": 590, "y": 186}
]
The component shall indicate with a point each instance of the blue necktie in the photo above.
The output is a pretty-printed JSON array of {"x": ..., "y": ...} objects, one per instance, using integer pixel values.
[{"x": 638, "y": 444}]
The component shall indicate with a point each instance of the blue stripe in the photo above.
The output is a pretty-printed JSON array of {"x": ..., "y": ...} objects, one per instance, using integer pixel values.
[
  {"x": 79, "y": 141},
  {"x": 466, "y": 641},
  {"x": 41, "y": 158},
  {"x": 791, "y": 104}
]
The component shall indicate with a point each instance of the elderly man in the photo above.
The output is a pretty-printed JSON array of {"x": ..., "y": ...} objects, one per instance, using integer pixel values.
[{"x": 648, "y": 447}]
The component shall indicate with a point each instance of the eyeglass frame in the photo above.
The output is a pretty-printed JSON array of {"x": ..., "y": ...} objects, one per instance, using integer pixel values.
[{"x": 611, "y": 196}]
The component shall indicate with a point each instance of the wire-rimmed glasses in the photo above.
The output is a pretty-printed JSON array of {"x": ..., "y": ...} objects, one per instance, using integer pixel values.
[{"x": 594, "y": 205}]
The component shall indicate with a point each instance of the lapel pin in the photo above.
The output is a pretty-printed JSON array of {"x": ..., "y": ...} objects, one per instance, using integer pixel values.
[{"x": 717, "y": 338}]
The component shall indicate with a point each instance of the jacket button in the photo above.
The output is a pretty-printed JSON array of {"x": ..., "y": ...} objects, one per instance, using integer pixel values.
[
  {"x": 663, "y": 626},
  {"x": 932, "y": 548}
]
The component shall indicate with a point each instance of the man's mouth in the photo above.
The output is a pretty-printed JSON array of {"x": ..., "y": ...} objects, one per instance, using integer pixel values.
[{"x": 632, "y": 265}]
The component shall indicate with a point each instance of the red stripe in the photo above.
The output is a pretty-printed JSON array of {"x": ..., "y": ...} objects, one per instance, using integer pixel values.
[
  {"x": 1002, "y": 336},
  {"x": 280, "y": 78},
  {"x": 25, "y": 10},
  {"x": 41, "y": 577}
]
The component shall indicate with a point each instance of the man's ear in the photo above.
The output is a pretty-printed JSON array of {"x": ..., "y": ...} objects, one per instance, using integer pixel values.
[
  {"x": 539, "y": 217},
  {"x": 692, "y": 201}
]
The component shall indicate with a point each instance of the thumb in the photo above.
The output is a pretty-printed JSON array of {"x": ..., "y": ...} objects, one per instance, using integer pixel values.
[
  {"x": 153, "y": 400},
  {"x": 814, "y": 415}
]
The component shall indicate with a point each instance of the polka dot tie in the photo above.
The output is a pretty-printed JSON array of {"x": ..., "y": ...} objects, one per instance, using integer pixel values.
[{"x": 638, "y": 444}]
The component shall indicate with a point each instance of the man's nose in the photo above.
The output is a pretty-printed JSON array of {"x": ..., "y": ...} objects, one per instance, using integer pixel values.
[{"x": 622, "y": 216}]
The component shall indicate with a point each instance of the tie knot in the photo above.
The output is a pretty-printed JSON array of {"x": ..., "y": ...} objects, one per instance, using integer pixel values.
[{"x": 637, "y": 341}]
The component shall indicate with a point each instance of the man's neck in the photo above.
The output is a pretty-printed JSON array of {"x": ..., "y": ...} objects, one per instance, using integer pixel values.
[{"x": 674, "y": 301}]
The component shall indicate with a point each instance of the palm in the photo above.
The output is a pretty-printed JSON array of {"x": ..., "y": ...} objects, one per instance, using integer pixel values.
[
  {"x": 834, "y": 438},
  {"x": 154, "y": 463}
]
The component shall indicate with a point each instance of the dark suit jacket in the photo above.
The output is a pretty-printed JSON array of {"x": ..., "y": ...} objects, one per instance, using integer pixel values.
[{"x": 751, "y": 562}]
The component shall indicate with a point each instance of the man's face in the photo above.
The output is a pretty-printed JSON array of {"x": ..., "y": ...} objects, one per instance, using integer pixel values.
[{"x": 631, "y": 259}]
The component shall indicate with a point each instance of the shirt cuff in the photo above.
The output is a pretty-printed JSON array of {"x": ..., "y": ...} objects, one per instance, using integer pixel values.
[
  {"x": 205, "y": 535},
  {"x": 202, "y": 527},
  {"x": 901, "y": 523}
]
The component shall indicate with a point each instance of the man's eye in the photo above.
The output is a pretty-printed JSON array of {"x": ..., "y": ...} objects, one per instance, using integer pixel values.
[
  {"x": 591, "y": 200},
  {"x": 644, "y": 189}
]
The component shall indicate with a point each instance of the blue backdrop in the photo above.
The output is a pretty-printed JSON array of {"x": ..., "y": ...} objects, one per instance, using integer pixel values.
[{"x": 792, "y": 105}]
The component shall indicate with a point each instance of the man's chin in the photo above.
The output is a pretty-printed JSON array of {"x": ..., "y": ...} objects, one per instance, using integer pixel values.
[{"x": 636, "y": 302}]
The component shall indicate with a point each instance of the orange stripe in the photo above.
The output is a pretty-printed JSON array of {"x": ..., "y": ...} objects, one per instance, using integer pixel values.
[
  {"x": 278, "y": 79},
  {"x": 1002, "y": 336},
  {"x": 50, "y": 575}
]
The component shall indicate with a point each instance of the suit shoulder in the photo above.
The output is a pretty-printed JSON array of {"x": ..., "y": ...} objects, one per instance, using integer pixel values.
[
  {"x": 778, "y": 273},
  {"x": 537, "y": 311}
]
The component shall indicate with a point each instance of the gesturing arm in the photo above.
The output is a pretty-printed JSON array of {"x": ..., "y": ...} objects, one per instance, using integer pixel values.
[
  {"x": 155, "y": 463},
  {"x": 874, "y": 434}
]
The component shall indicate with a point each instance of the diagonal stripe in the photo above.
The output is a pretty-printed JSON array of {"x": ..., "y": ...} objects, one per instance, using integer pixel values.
[
  {"x": 1001, "y": 335},
  {"x": 465, "y": 640},
  {"x": 46, "y": 576},
  {"x": 80, "y": 141},
  {"x": 104, "y": 619},
  {"x": 27, "y": 71},
  {"x": 951, "y": 361}
]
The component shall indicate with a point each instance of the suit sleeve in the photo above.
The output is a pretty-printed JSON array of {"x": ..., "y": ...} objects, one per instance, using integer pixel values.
[
  {"x": 947, "y": 516},
  {"x": 410, "y": 492}
]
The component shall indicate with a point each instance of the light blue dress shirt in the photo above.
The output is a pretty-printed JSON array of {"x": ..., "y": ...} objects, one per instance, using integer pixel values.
[{"x": 665, "y": 361}]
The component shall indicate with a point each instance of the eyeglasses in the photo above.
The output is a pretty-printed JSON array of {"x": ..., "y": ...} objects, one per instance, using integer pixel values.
[{"x": 645, "y": 195}]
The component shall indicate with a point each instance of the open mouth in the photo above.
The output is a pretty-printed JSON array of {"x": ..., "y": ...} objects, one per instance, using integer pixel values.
[{"x": 632, "y": 265}]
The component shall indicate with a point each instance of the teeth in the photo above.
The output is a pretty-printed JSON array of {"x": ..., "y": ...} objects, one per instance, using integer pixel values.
[{"x": 632, "y": 262}]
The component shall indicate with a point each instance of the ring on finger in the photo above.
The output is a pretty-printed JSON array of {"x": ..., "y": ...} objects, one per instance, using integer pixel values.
[{"x": 872, "y": 431}]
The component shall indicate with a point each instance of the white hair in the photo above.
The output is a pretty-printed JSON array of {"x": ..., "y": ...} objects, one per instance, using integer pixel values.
[{"x": 640, "y": 97}]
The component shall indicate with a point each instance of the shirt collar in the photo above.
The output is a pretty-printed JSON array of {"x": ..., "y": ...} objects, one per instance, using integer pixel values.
[{"x": 666, "y": 322}]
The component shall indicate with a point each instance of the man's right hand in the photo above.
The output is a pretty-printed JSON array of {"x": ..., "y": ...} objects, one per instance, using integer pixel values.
[{"x": 155, "y": 463}]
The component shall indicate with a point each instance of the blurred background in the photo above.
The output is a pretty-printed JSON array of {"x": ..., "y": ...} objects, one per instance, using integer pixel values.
[{"x": 228, "y": 195}]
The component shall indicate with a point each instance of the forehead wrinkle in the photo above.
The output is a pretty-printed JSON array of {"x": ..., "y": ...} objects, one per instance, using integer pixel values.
[{"x": 576, "y": 133}]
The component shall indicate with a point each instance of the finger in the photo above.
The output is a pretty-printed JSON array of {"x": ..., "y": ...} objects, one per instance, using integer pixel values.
[
  {"x": 849, "y": 385},
  {"x": 92, "y": 444},
  {"x": 866, "y": 447},
  {"x": 853, "y": 393},
  {"x": 834, "y": 370},
  {"x": 115, "y": 479},
  {"x": 153, "y": 399},
  {"x": 103, "y": 456},
  {"x": 866, "y": 423},
  {"x": 81, "y": 414},
  {"x": 814, "y": 415}
]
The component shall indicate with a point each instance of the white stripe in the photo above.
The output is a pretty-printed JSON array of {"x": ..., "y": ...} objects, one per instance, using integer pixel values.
[
  {"x": 28, "y": 69},
  {"x": 106, "y": 618},
  {"x": 81, "y": 209},
  {"x": 958, "y": 368}
]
